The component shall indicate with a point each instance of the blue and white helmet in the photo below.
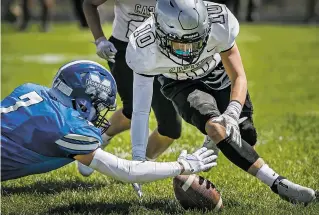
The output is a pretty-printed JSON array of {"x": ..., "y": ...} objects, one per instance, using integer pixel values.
[{"x": 89, "y": 88}]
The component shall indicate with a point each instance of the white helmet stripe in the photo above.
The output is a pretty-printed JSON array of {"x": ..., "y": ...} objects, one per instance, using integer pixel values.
[{"x": 81, "y": 61}]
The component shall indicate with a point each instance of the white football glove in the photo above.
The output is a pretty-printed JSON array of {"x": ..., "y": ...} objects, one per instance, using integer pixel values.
[
  {"x": 105, "y": 49},
  {"x": 200, "y": 160},
  {"x": 231, "y": 125},
  {"x": 229, "y": 119}
]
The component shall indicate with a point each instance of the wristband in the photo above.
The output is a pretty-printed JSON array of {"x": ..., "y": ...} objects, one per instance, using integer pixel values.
[{"x": 99, "y": 40}]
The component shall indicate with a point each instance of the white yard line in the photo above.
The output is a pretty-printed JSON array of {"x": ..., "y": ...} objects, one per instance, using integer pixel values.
[{"x": 49, "y": 58}]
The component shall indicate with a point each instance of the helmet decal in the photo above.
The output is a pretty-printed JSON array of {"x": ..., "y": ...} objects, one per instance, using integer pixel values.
[{"x": 97, "y": 87}]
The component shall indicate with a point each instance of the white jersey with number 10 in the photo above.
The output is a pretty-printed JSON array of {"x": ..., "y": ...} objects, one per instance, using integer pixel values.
[
  {"x": 129, "y": 15},
  {"x": 144, "y": 56}
]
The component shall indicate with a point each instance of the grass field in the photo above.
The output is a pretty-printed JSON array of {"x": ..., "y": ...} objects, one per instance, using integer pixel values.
[{"x": 282, "y": 65}]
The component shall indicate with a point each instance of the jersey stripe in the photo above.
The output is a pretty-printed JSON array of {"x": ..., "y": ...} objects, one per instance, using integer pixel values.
[
  {"x": 79, "y": 142},
  {"x": 79, "y": 147},
  {"x": 81, "y": 138}
]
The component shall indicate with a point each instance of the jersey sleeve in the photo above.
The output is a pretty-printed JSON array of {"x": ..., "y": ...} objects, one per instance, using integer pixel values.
[
  {"x": 81, "y": 140},
  {"x": 142, "y": 100},
  {"x": 225, "y": 28},
  {"x": 141, "y": 49}
]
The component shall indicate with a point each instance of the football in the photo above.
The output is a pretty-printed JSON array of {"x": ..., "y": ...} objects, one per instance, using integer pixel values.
[{"x": 196, "y": 192}]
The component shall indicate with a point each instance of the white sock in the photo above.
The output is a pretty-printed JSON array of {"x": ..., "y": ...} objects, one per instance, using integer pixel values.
[{"x": 267, "y": 175}]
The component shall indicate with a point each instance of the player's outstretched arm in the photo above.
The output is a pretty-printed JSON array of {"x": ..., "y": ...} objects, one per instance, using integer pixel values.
[
  {"x": 146, "y": 171},
  {"x": 104, "y": 48},
  {"x": 92, "y": 17},
  {"x": 142, "y": 99},
  {"x": 235, "y": 70}
]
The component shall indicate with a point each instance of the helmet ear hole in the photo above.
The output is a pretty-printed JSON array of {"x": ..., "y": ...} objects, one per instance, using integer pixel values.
[
  {"x": 74, "y": 104},
  {"x": 83, "y": 108}
]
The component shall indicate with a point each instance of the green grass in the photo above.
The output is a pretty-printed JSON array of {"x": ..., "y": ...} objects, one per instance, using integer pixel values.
[{"x": 282, "y": 65}]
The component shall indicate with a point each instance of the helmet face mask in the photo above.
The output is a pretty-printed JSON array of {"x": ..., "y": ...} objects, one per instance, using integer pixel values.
[
  {"x": 94, "y": 112},
  {"x": 181, "y": 30},
  {"x": 88, "y": 88}
]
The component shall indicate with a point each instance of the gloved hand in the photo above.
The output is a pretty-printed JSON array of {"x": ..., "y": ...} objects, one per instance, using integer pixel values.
[
  {"x": 229, "y": 119},
  {"x": 200, "y": 160},
  {"x": 232, "y": 128},
  {"x": 105, "y": 49}
]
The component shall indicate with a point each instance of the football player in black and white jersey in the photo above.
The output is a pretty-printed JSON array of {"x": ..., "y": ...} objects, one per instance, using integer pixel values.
[
  {"x": 129, "y": 14},
  {"x": 183, "y": 44}
]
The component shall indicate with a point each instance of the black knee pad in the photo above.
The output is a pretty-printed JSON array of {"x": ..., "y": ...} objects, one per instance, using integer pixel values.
[
  {"x": 242, "y": 155},
  {"x": 171, "y": 128},
  {"x": 248, "y": 132}
]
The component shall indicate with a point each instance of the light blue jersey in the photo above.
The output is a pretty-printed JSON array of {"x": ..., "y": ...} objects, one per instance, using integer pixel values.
[{"x": 39, "y": 134}]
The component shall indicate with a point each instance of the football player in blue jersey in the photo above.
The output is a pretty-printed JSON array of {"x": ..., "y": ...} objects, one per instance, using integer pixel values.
[{"x": 44, "y": 129}]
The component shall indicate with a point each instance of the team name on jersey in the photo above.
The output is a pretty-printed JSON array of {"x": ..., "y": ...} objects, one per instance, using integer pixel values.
[
  {"x": 192, "y": 67},
  {"x": 144, "y": 10}
]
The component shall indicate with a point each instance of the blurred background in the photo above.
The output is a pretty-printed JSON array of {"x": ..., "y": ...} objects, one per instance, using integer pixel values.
[{"x": 301, "y": 11}]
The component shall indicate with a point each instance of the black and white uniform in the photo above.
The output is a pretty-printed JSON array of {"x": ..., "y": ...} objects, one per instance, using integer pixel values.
[
  {"x": 130, "y": 14},
  {"x": 198, "y": 91}
]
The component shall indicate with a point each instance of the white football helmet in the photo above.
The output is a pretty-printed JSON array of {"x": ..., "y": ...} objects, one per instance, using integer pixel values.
[{"x": 182, "y": 29}]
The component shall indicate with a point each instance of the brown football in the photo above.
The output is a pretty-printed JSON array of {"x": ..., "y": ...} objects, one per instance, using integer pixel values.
[{"x": 196, "y": 192}]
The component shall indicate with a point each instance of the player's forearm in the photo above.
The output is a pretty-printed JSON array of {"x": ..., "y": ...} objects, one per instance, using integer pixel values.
[
  {"x": 92, "y": 17},
  {"x": 239, "y": 89},
  {"x": 142, "y": 99},
  {"x": 133, "y": 171},
  {"x": 235, "y": 70}
]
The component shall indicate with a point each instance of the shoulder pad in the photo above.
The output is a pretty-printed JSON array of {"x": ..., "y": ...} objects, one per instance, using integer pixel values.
[
  {"x": 141, "y": 49},
  {"x": 224, "y": 25}
]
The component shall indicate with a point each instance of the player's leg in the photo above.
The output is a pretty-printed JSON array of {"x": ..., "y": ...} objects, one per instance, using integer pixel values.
[
  {"x": 119, "y": 123},
  {"x": 244, "y": 156},
  {"x": 286, "y": 189},
  {"x": 222, "y": 97},
  {"x": 77, "y": 4},
  {"x": 169, "y": 124},
  {"x": 123, "y": 75},
  {"x": 246, "y": 124},
  {"x": 121, "y": 119},
  {"x": 26, "y": 16},
  {"x": 197, "y": 106},
  {"x": 45, "y": 17}
]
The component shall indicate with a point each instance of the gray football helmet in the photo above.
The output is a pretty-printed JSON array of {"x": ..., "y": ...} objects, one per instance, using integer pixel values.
[{"x": 182, "y": 29}]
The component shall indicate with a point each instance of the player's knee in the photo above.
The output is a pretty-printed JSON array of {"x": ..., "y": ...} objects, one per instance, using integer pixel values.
[
  {"x": 248, "y": 132},
  {"x": 171, "y": 129},
  {"x": 215, "y": 131}
]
